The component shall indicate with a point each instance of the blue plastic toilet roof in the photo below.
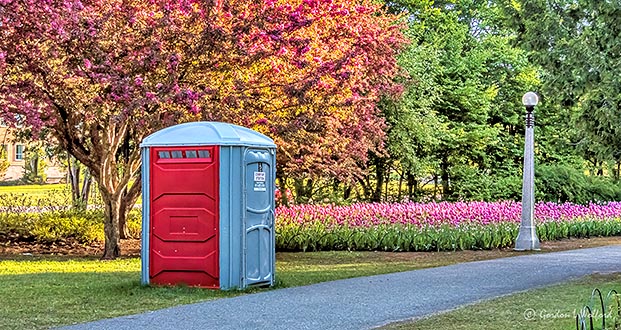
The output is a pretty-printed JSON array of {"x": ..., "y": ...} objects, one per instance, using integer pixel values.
[{"x": 207, "y": 133}]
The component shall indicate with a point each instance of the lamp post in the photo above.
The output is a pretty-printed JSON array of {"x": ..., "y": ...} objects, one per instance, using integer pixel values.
[{"x": 527, "y": 237}]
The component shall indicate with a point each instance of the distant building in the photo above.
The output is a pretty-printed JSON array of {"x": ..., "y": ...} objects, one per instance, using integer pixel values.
[{"x": 15, "y": 152}]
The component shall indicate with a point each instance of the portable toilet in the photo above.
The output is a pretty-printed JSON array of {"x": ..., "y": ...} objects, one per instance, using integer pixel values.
[{"x": 208, "y": 206}]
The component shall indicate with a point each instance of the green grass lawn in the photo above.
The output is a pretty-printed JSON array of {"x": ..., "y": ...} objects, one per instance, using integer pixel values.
[
  {"x": 33, "y": 188},
  {"x": 52, "y": 291},
  {"x": 43, "y": 195},
  {"x": 44, "y": 291},
  {"x": 553, "y": 307},
  {"x": 35, "y": 195}
]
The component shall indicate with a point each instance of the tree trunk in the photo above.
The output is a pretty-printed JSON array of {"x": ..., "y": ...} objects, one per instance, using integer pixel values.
[
  {"x": 118, "y": 200},
  {"x": 380, "y": 173},
  {"x": 74, "y": 179},
  {"x": 336, "y": 185},
  {"x": 79, "y": 196},
  {"x": 435, "y": 186},
  {"x": 303, "y": 192},
  {"x": 366, "y": 187},
  {"x": 86, "y": 188},
  {"x": 444, "y": 167},
  {"x": 411, "y": 181},
  {"x": 112, "y": 167},
  {"x": 124, "y": 231},
  {"x": 387, "y": 181},
  {"x": 113, "y": 214},
  {"x": 400, "y": 186},
  {"x": 347, "y": 191},
  {"x": 116, "y": 211},
  {"x": 310, "y": 183},
  {"x": 282, "y": 187}
]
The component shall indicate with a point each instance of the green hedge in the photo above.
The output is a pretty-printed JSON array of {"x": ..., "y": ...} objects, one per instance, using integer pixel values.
[
  {"x": 55, "y": 226},
  {"x": 553, "y": 183}
]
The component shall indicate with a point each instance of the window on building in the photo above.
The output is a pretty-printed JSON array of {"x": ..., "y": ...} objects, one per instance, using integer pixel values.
[{"x": 19, "y": 152}]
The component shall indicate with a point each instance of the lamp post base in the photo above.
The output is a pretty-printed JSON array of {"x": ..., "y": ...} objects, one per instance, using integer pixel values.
[{"x": 527, "y": 240}]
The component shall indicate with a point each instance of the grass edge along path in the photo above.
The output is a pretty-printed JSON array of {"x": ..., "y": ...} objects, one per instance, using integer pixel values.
[
  {"x": 44, "y": 291},
  {"x": 552, "y": 307}
]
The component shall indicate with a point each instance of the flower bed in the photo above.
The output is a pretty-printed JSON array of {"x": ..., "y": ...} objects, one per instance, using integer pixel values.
[{"x": 435, "y": 226}]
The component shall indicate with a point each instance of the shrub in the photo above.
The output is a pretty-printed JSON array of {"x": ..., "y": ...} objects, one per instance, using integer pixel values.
[
  {"x": 553, "y": 183},
  {"x": 49, "y": 218},
  {"x": 34, "y": 166},
  {"x": 82, "y": 226},
  {"x": 562, "y": 183},
  {"x": 469, "y": 183},
  {"x": 21, "y": 202},
  {"x": 4, "y": 162}
]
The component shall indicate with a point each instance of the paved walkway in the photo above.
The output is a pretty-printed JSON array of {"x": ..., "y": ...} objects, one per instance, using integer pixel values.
[{"x": 367, "y": 302}]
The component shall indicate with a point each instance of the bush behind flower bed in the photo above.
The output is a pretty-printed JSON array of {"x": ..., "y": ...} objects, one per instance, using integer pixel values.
[
  {"x": 82, "y": 226},
  {"x": 47, "y": 217}
]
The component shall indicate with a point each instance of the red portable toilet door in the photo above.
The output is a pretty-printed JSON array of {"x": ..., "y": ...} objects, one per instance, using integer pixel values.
[{"x": 184, "y": 186}]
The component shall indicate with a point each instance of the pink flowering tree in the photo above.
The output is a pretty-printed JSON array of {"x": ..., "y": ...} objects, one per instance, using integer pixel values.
[{"x": 97, "y": 76}]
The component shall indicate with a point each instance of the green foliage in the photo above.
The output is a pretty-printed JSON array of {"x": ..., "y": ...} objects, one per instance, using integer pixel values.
[
  {"x": 44, "y": 214},
  {"x": 4, "y": 162},
  {"x": 34, "y": 165},
  {"x": 459, "y": 123},
  {"x": 553, "y": 183},
  {"x": 83, "y": 226},
  {"x": 576, "y": 45},
  {"x": 42, "y": 199},
  {"x": 16, "y": 197},
  {"x": 563, "y": 183},
  {"x": 461, "y": 107},
  {"x": 444, "y": 238},
  {"x": 134, "y": 223},
  {"x": 472, "y": 184}
]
